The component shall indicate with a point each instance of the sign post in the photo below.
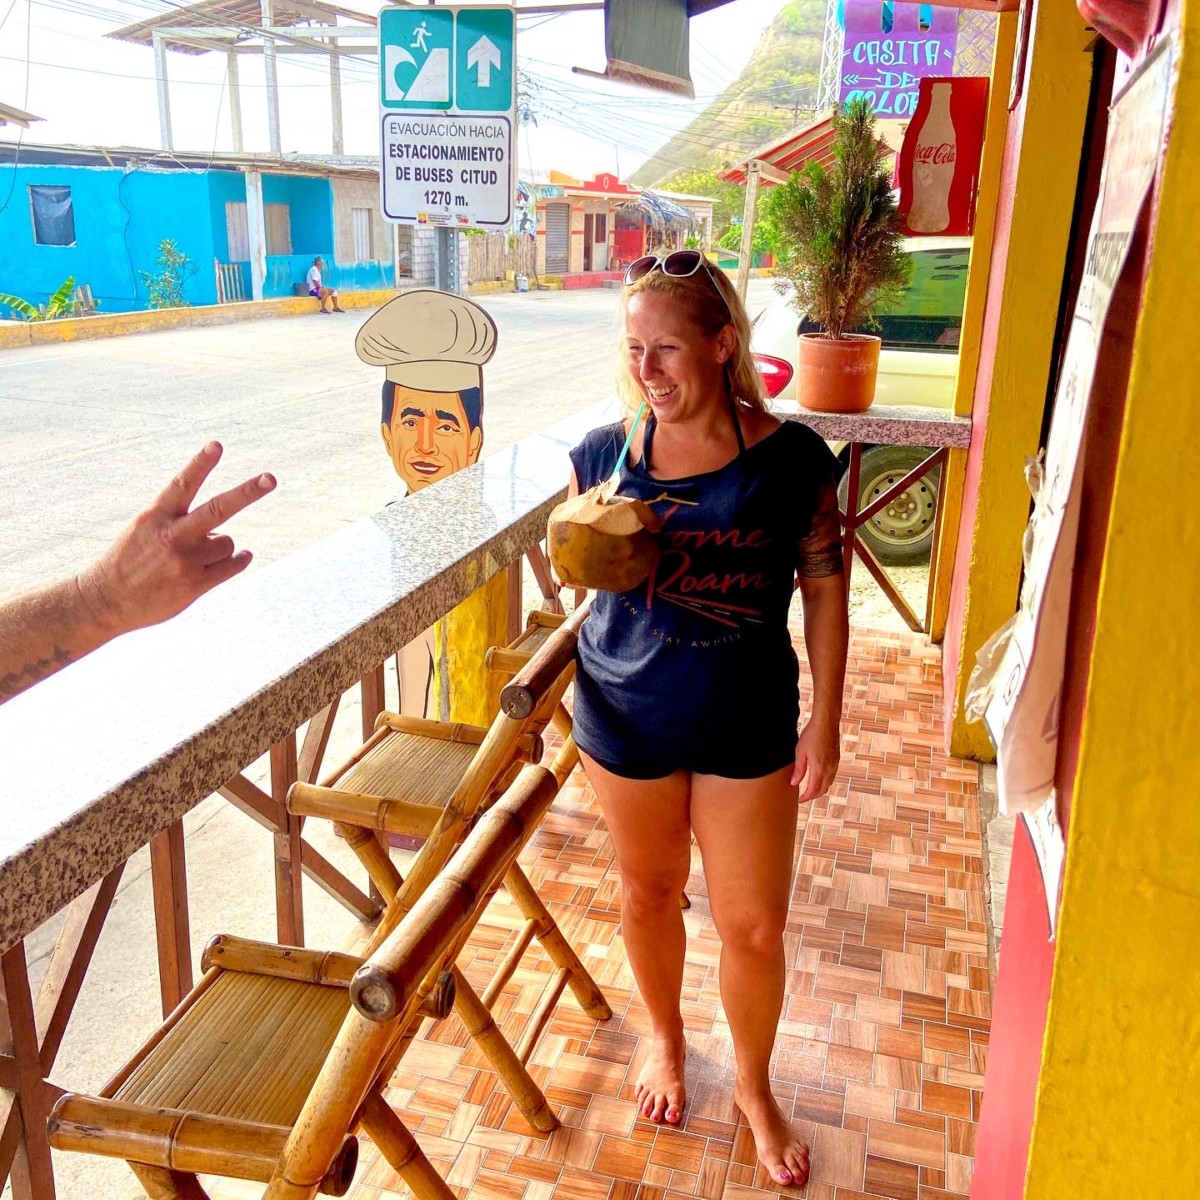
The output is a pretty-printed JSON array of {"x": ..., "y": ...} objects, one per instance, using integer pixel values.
[{"x": 447, "y": 97}]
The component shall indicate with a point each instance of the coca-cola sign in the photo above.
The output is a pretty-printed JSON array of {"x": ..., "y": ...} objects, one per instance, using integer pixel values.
[
  {"x": 938, "y": 167},
  {"x": 935, "y": 156}
]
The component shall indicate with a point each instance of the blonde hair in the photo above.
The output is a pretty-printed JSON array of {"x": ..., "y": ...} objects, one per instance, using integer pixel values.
[{"x": 710, "y": 302}]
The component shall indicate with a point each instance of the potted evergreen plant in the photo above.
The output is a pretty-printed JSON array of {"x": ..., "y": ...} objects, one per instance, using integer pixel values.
[{"x": 840, "y": 236}]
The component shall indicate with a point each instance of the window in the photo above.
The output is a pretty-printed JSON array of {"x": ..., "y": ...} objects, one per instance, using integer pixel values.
[
  {"x": 930, "y": 311},
  {"x": 53, "y": 215},
  {"x": 363, "y": 248},
  {"x": 279, "y": 228},
  {"x": 239, "y": 233},
  {"x": 601, "y": 234}
]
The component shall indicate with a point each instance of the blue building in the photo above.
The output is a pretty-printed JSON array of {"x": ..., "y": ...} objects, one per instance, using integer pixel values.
[{"x": 100, "y": 215}]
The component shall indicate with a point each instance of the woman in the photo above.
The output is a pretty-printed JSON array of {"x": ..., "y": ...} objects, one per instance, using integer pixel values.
[{"x": 686, "y": 700}]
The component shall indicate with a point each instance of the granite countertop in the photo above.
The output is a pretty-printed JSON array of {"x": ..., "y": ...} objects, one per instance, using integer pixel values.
[
  {"x": 885, "y": 425},
  {"x": 114, "y": 748}
]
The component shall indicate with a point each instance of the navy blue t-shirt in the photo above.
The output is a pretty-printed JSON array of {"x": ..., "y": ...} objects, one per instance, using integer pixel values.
[{"x": 697, "y": 665}]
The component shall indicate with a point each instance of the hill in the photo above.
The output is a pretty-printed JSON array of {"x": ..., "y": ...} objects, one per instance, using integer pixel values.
[{"x": 775, "y": 92}]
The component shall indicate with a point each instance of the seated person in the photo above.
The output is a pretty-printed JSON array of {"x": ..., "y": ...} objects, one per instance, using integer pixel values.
[{"x": 315, "y": 287}]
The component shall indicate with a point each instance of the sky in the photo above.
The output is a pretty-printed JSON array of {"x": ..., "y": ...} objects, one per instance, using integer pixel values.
[{"x": 92, "y": 90}]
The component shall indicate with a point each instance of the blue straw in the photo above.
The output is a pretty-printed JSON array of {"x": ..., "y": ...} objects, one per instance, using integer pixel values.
[{"x": 632, "y": 429}]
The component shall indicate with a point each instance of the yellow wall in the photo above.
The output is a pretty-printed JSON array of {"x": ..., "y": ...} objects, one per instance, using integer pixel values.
[
  {"x": 463, "y": 689},
  {"x": 972, "y": 326},
  {"x": 1118, "y": 1110},
  {"x": 1023, "y": 298}
]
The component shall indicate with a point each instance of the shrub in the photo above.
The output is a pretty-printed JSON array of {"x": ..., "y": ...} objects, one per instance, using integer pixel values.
[
  {"x": 174, "y": 270},
  {"x": 838, "y": 233}
]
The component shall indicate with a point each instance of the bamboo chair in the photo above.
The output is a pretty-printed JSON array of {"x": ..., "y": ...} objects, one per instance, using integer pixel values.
[
  {"x": 263, "y": 1059},
  {"x": 279, "y": 1054},
  {"x": 410, "y": 771}
]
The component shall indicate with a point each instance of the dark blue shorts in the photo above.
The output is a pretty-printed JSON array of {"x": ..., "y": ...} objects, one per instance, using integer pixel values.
[{"x": 743, "y": 749}]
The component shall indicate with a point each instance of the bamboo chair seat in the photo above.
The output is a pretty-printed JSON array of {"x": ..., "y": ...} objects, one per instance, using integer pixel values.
[
  {"x": 408, "y": 765},
  {"x": 211, "y": 1060},
  {"x": 219, "y": 1087},
  {"x": 279, "y": 1054}
]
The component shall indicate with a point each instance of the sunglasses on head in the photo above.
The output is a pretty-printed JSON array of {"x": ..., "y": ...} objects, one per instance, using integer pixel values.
[{"x": 679, "y": 264}]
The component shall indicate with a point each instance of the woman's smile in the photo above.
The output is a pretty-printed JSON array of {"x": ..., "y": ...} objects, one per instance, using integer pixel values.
[{"x": 676, "y": 365}]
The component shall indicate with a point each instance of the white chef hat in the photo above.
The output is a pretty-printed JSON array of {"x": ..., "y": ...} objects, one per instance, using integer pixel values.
[{"x": 430, "y": 340}]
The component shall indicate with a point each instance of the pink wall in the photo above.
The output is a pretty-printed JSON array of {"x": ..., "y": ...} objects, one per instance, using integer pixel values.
[{"x": 1018, "y": 1028}]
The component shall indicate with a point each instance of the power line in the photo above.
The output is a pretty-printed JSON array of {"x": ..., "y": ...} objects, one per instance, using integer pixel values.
[
  {"x": 148, "y": 79},
  {"x": 12, "y": 183}
]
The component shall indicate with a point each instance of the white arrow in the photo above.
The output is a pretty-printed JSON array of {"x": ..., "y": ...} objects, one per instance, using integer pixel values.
[{"x": 483, "y": 56}]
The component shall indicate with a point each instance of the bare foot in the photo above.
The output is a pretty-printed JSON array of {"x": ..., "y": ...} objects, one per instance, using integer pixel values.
[
  {"x": 659, "y": 1089},
  {"x": 783, "y": 1154}
]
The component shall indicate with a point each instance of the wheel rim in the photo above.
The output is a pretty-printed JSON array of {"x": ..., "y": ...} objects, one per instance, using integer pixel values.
[{"x": 907, "y": 517}]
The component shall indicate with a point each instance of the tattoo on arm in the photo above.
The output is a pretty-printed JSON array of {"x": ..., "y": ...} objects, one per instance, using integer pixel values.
[
  {"x": 820, "y": 550},
  {"x": 17, "y": 681}
]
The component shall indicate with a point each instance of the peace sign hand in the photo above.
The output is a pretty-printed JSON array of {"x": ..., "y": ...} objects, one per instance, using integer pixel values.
[{"x": 169, "y": 555}]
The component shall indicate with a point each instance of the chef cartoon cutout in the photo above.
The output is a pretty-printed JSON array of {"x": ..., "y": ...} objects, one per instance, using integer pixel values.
[{"x": 433, "y": 346}]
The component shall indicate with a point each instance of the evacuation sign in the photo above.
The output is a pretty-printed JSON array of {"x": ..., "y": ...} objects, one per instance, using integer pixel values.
[{"x": 447, "y": 96}]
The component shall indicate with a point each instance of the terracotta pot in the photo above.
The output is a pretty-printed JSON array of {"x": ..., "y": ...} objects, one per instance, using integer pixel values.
[{"x": 837, "y": 376}]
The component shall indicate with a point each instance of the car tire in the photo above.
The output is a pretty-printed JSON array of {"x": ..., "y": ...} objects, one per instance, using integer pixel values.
[{"x": 902, "y": 533}]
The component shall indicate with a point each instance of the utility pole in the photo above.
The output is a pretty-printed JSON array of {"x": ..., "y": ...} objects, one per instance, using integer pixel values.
[
  {"x": 797, "y": 106},
  {"x": 748, "y": 214}
]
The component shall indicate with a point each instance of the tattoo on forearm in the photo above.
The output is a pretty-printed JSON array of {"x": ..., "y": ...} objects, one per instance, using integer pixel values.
[
  {"x": 17, "y": 681},
  {"x": 820, "y": 550},
  {"x": 826, "y": 564}
]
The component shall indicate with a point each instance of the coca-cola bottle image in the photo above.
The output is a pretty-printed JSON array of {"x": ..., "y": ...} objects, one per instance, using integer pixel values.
[{"x": 933, "y": 166}]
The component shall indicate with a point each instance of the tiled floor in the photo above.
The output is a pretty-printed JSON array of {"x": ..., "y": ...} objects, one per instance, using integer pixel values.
[{"x": 884, "y": 1035}]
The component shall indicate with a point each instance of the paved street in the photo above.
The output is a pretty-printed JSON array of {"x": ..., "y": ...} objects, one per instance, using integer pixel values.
[{"x": 91, "y": 430}]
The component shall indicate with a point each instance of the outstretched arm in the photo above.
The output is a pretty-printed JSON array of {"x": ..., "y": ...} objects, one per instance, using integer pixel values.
[{"x": 163, "y": 560}]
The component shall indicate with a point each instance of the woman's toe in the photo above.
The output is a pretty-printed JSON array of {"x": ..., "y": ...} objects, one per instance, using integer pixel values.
[{"x": 796, "y": 1163}]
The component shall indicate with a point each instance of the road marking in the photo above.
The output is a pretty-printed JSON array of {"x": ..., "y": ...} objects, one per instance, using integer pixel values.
[{"x": 54, "y": 462}]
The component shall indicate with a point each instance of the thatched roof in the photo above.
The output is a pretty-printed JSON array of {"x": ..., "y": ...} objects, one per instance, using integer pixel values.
[{"x": 659, "y": 211}]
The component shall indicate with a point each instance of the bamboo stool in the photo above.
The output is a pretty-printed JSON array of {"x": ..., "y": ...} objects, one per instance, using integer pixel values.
[
  {"x": 279, "y": 1054},
  {"x": 411, "y": 771},
  {"x": 506, "y": 661}
]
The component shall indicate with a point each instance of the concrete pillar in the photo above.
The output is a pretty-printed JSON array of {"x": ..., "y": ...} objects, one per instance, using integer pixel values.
[
  {"x": 256, "y": 231},
  {"x": 272, "y": 79},
  {"x": 164, "y": 92},
  {"x": 335, "y": 97},
  {"x": 235, "y": 99}
]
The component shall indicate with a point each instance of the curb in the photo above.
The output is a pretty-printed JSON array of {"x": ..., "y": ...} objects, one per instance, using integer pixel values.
[
  {"x": 487, "y": 287},
  {"x": 78, "y": 329}
]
